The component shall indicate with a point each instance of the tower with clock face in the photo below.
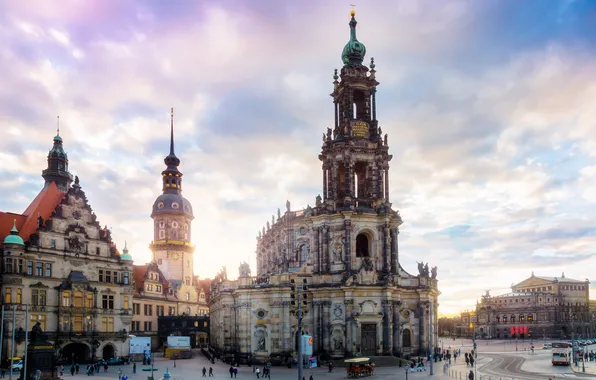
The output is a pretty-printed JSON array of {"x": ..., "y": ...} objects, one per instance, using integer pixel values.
[{"x": 172, "y": 217}]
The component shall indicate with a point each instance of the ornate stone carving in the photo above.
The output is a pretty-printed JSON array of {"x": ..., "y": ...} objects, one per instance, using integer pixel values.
[
  {"x": 244, "y": 269},
  {"x": 338, "y": 311}
]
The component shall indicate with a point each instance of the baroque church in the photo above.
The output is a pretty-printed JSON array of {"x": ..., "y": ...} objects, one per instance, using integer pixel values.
[
  {"x": 62, "y": 267},
  {"x": 360, "y": 301},
  {"x": 167, "y": 285}
]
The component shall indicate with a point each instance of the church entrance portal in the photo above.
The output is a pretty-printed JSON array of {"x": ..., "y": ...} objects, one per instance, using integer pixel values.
[
  {"x": 368, "y": 335},
  {"x": 108, "y": 352},
  {"x": 75, "y": 352}
]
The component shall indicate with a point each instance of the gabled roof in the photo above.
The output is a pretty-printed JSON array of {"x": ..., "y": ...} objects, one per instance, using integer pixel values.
[
  {"x": 139, "y": 273},
  {"x": 42, "y": 206}
]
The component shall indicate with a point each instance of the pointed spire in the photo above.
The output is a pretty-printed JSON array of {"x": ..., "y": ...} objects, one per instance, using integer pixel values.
[
  {"x": 354, "y": 51},
  {"x": 172, "y": 132},
  {"x": 125, "y": 250},
  {"x": 58, "y": 125},
  {"x": 14, "y": 230}
]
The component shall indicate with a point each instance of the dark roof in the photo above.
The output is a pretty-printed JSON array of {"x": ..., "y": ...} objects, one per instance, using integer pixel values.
[{"x": 76, "y": 275}]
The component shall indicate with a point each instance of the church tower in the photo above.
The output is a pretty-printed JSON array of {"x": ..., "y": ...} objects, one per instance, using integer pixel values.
[
  {"x": 355, "y": 153},
  {"x": 172, "y": 217},
  {"x": 57, "y": 170}
]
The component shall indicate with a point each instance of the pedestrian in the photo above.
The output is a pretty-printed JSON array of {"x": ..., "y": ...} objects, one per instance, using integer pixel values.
[
  {"x": 2, "y": 373},
  {"x": 77, "y": 368},
  {"x": 471, "y": 361},
  {"x": 311, "y": 378},
  {"x": 258, "y": 371},
  {"x": 105, "y": 367},
  {"x": 471, "y": 375},
  {"x": 330, "y": 367},
  {"x": 231, "y": 371},
  {"x": 235, "y": 372},
  {"x": 210, "y": 371},
  {"x": 72, "y": 370},
  {"x": 204, "y": 371},
  {"x": 134, "y": 367},
  {"x": 124, "y": 377},
  {"x": 119, "y": 373}
]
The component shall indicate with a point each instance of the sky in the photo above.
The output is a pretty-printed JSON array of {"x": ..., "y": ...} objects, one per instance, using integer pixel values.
[{"x": 490, "y": 107}]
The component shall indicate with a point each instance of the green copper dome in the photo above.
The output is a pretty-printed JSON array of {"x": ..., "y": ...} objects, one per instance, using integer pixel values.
[
  {"x": 125, "y": 255},
  {"x": 354, "y": 51},
  {"x": 14, "y": 237}
]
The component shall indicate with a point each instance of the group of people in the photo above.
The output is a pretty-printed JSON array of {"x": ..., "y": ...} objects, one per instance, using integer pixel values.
[{"x": 205, "y": 372}]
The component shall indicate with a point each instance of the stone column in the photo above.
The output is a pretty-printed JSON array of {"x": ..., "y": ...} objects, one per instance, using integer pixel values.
[
  {"x": 396, "y": 327},
  {"x": 325, "y": 169},
  {"x": 325, "y": 323},
  {"x": 336, "y": 106},
  {"x": 334, "y": 180},
  {"x": 386, "y": 248},
  {"x": 394, "y": 256},
  {"x": 316, "y": 336},
  {"x": 386, "y": 184},
  {"x": 386, "y": 327},
  {"x": 348, "y": 247},
  {"x": 374, "y": 103},
  {"x": 349, "y": 320},
  {"x": 316, "y": 249},
  {"x": 325, "y": 264}
]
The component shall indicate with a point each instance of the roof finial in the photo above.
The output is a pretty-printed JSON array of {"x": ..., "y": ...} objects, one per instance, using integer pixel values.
[
  {"x": 353, "y": 11},
  {"x": 172, "y": 131},
  {"x": 58, "y": 125}
]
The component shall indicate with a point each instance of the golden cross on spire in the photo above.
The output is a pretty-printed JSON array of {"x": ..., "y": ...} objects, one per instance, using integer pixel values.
[{"x": 353, "y": 11}]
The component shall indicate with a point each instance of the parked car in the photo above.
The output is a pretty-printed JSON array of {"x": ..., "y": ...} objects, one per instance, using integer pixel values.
[
  {"x": 547, "y": 346},
  {"x": 17, "y": 365}
]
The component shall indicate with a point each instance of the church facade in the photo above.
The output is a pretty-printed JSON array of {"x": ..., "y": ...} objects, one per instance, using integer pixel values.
[
  {"x": 62, "y": 265},
  {"x": 167, "y": 285},
  {"x": 360, "y": 301}
]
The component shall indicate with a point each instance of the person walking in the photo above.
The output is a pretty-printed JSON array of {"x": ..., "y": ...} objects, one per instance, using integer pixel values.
[
  {"x": 77, "y": 368},
  {"x": 235, "y": 372},
  {"x": 471, "y": 375},
  {"x": 258, "y": 371},
  {"x": 119, "y": 373},
  {"x": 72, "y": 370},
  {"x": 311, "y": 378},
  {"x": 210, "y": 371},
  {"x": 134, "y": 368},
  {"x": 204, "y": 371}
]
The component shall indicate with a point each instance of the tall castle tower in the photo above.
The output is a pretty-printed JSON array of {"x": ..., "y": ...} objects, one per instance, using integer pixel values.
[
  {"x": 172, "y": 217},
  {"x": 57, "y": 170},
  {"x": 355, "y": 156}
]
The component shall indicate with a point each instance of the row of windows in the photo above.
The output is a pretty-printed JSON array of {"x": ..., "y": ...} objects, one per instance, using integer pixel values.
[
  {"x": 33, "y": 268},
  {"x": 148, "y": 310},
  {"x": 175, "y": 224},
  {"x": 174, "y": 234},
  {"x": 511, "y": 319},
  {"x": 150, "y": 287},
  {"x": 115, "y": 277},
  {"x": 76, "y": 323},
  {"x": 136, "y": 326},
  {"x": 524, "y": 300}
]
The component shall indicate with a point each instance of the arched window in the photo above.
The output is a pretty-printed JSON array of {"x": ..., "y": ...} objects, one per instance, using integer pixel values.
[
  {"x": 188, "y": 296},
  {"x": 362, "y": 246},
  {"x": 406, "y": 338},
  {"x": 512, "y": 318}
]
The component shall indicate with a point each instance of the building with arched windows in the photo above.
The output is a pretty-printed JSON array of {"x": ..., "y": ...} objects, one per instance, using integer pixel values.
[
  {"x": 360, "y": 301},
  {"x": 61, "y": 265},
  {"x": 167, "y": 285},
  {"x": 537, "y": 307}
]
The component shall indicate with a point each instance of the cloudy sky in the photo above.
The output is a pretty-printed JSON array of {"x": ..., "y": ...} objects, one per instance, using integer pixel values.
[{"x": 490, "y": 108}]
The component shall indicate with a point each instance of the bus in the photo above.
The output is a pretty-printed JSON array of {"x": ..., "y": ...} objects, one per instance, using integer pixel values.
[{"x": 562, "y": 353}]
